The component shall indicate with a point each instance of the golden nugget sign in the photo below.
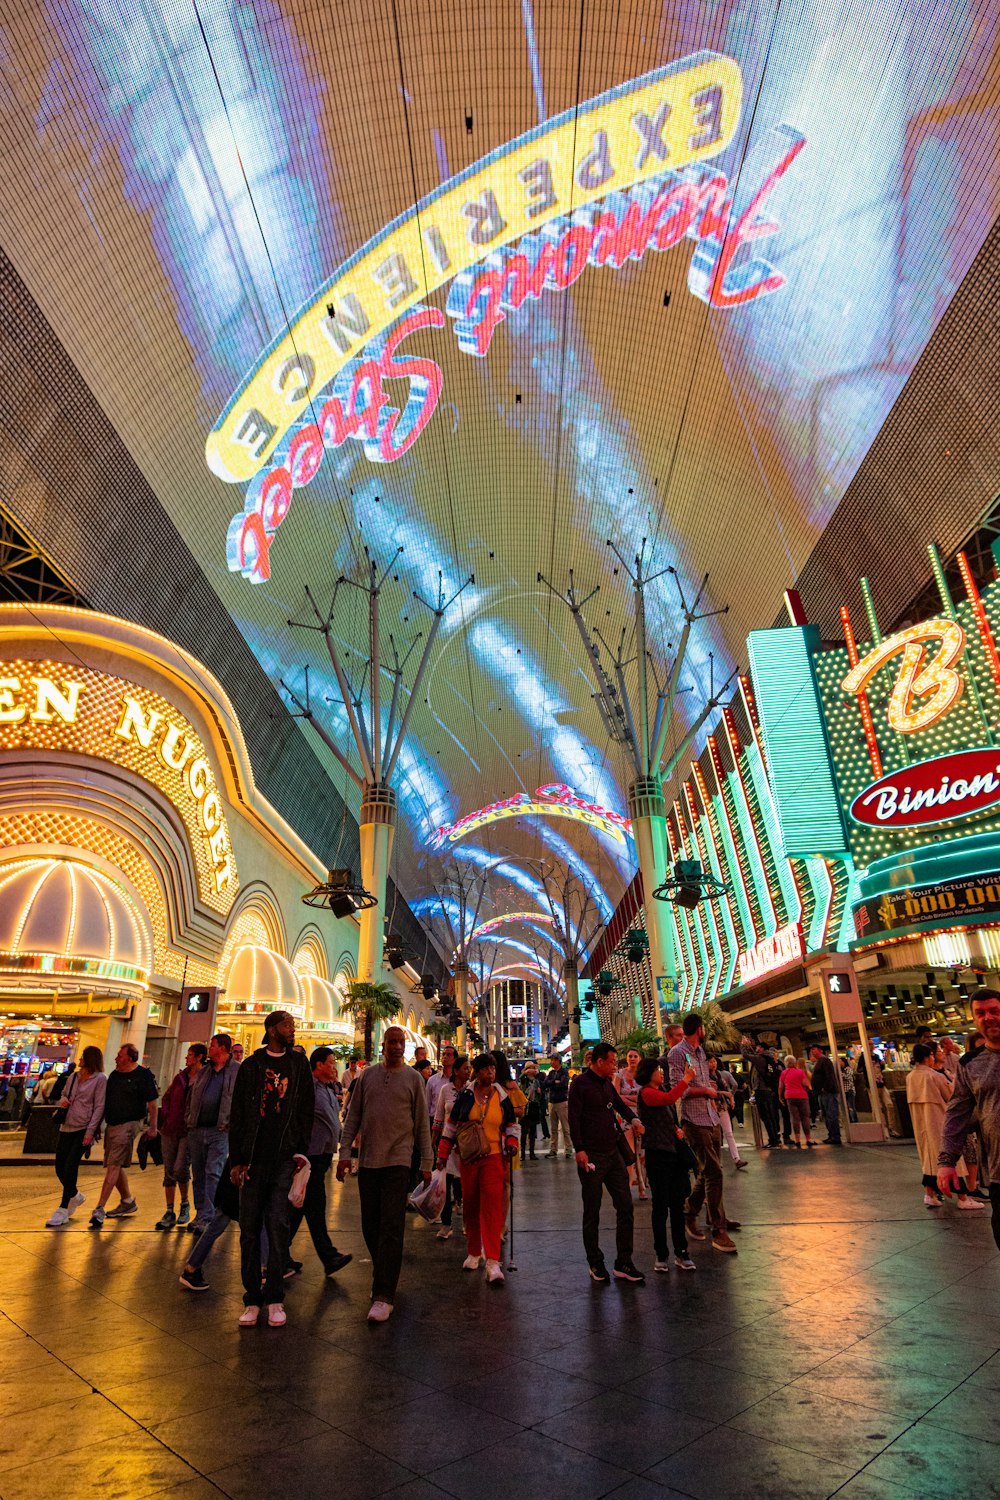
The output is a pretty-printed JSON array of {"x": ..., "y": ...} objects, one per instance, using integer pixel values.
[
  {"x": 598, "y": 185},
  {"x": 121, "y": 722}
]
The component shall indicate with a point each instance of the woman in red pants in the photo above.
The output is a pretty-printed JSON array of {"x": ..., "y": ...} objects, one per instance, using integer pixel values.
[{"x": 483, "y": 1123}]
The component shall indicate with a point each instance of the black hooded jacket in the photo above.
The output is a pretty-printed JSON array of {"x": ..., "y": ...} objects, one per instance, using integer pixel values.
[{"x": 298, "y": 1108}]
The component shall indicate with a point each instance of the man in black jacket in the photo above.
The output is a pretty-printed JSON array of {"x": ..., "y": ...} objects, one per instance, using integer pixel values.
[
  {"x": 766, "y": 1075},
  {"x": 593, "y": 1103},
  {"x": 556, "y": 1084},
  {"x": 269, "y": 1129},
  {"x": 824, "y": 1084}
]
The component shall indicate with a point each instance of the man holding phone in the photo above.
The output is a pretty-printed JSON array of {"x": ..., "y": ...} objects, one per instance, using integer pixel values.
[{"x": 700, "y": 1118}]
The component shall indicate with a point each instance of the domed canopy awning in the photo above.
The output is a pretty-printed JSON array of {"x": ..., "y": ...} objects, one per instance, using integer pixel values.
[
  {"x": 65, "y": 923},
  {"x": 322, "y": 1009},
  {"x": 260, "y": 980}
]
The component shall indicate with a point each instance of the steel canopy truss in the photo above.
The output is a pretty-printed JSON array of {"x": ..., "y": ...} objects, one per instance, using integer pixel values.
[
  {"x": 459, "y": 900},
  {"x": 576, "y": 920},
  {"x": 636, "y": 701},
  {"x": 378, "y": 738}
]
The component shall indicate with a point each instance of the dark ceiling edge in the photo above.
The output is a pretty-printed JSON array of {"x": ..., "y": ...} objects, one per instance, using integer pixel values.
[
  {"x": 931, "y": 473},
  {"x": 61, "y": 458}
]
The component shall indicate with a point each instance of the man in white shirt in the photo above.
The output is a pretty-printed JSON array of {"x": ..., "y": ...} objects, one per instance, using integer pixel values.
[{"x": 438, "y": 1080}]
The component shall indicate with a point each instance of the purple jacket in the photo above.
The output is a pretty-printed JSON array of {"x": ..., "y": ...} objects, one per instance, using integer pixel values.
[{"x": 172, "y": 1104}]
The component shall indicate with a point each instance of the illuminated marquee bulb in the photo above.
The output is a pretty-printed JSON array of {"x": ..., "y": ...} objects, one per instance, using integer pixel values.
[{"x": 915, "y": 679}]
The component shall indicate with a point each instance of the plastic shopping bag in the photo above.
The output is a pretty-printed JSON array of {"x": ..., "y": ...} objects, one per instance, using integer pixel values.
[{"x": 428, "y": 1198}]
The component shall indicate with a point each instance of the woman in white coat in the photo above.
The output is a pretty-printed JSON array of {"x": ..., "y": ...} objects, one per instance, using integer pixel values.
[{"x": 927, "y": 1093}]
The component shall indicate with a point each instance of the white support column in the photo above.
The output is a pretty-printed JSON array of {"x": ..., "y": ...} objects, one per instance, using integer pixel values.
[
  {"x": 138, "y": 1024},
  {"x": 649, "y": 829},
  {"x": 462, "y": 1002},
  {"x": 377, "y": 825},
  {"x": 571, "y": 978}
]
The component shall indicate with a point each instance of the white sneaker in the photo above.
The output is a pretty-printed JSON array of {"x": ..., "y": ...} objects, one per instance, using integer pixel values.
[
  {"x": 493, "y": 1272},
  {"x": 276, "y": 1315},
  {"x": 77, "y": 1201},
  {"x": 661, "y": 1265},
  {"x": 444, "y": 1233},
  {"x": 60, "y": 1217},
  {"x": 472, "y": 1262},
  {"x": 249, "y": 1316},
  {"x": 930, "y": 1200},
  {"x": 971, "y": 1203},
  {"x": 379, "y": 1312}
]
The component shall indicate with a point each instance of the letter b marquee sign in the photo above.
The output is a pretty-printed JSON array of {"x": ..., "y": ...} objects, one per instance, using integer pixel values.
[{"x": 910, "y": 761}]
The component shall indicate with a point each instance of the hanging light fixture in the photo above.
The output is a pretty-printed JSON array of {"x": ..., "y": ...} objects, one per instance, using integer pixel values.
[{"x": 341, "y": 893}]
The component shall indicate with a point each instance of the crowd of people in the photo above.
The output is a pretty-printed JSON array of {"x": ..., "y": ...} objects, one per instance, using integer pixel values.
[{"x": 252, "y": 1141}]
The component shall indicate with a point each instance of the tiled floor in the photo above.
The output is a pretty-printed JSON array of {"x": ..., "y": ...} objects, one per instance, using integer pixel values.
[{"x": 851, "y": 1348}]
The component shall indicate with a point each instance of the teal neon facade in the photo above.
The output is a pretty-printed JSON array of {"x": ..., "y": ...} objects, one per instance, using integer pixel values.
[{"x": 766, "y": 806}]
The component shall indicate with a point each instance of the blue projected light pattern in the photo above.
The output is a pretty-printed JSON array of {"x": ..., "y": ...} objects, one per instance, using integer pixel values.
[{"x": 675, "y": 303}]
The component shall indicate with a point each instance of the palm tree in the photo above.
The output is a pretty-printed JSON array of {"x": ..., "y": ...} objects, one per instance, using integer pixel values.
[
  {"x": 720, "y": 1033},
  {"x": 645, "y": 1040},
  {"x": 371, "y": 1002},
  {"x": 441, "y": 1031}
]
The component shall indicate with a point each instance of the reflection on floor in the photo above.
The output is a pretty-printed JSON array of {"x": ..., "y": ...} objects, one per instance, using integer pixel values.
[{"x": 850, "y": 1349}]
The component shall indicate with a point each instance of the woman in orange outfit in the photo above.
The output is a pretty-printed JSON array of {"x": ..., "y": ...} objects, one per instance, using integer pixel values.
[{"x": 483, "y": 1104}]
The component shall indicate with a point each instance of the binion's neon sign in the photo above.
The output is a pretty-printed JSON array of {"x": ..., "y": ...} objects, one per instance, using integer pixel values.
[
  {"x": 601, "y": 185},
  {"x": 554, "y": 800}
]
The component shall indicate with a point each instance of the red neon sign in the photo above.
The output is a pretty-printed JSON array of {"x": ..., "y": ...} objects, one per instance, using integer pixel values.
[
  {"x": 935, "y": 791},
  {"x": 700, "y": 210}
]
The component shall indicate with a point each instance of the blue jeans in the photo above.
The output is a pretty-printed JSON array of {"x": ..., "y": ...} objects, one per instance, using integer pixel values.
[
  {"x": 830, "y": 1105},
  {"x": 209, "y": 1148},
  {"x": 217, "y": 1227}
]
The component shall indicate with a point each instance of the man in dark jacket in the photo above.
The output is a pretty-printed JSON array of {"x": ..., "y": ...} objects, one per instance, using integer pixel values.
[
  {"x": 557, "y": 1099},
  {"x": 269, "y": 1129},
  {"x": 824, "y": 1084},
  {"x": 593, "y": 1103},
  {"x": 323, "y": 1143},
  {"x": 206, "y": 1116},
  {"x": 766, "y": 1073}
]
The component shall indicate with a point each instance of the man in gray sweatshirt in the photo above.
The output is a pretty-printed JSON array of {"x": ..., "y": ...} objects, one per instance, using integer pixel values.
[
  {"x": 388, "y": 1111},
  {"x": 976, "y": 1099}
]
